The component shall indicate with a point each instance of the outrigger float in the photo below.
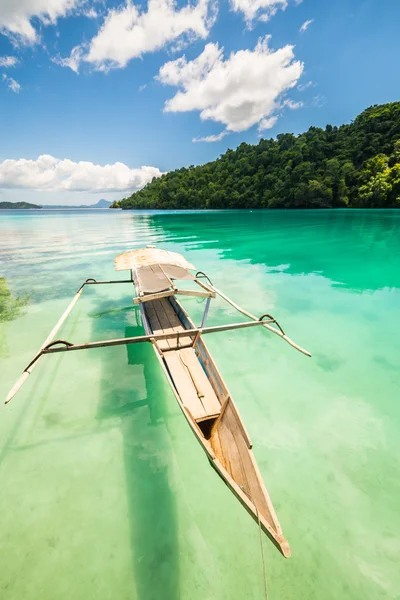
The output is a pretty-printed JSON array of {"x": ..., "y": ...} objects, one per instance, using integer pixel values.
[{"x": 194, "y": 378}]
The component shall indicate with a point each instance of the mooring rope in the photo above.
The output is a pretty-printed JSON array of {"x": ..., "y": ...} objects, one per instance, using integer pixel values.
[{"x": 261, "y": 544}]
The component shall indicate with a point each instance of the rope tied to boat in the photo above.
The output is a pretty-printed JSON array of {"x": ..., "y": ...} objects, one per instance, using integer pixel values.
[
  {"x": 272, "y": 320},
  {"x": 261, "y": 544}
]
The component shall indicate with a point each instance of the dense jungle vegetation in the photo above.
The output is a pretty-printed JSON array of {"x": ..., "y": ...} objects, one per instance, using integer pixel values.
[{"x": 355, "y": 165}]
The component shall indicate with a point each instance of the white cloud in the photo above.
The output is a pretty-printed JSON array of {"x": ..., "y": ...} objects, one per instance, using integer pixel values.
[
  {"x": 13, "y": 85},
  {"x": 304, "y": 86},
  {"x": 293, "y": 105},
  {"x": 54, "y": 174},
  {"x": 211, "y": 138},
  {"x": 267, "y": 123},
  {"x": 8, "y": 61},
  {"x": 90, "y": 13},
  {"x": 319, "y": 101},
  {"x": 306, "y": 25},
  {"x": 262, "y": 9},
  {"x": 245, "y": 89},
  {"x": 128, "y": 33},
  {"x": 72, "y": 62},
  {"x": 16, "y": 16}
]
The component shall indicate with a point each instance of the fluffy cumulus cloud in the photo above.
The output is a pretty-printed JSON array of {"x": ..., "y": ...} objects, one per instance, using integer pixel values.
[
  {"x": 54, "y": 174},
  {"x": 129, "y": 32},
  {"x": 262, "y": 9},
  {"x": 16, "y": 16},
  {"x": 8, "y": 61},
  {"x": 245, "y": 89}
]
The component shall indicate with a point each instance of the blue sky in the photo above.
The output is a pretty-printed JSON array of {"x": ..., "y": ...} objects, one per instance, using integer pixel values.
[{"x": 97, "y": 97}]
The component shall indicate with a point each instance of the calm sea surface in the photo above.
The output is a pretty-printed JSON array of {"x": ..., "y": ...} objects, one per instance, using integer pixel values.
[{"x": 105, "y": 493}]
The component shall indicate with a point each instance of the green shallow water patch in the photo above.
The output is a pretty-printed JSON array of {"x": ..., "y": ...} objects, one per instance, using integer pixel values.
[{"x": 105, "y": 491}]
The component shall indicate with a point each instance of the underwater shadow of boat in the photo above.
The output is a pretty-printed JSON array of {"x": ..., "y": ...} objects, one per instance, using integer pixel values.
[{"x": 138, "y": 400}]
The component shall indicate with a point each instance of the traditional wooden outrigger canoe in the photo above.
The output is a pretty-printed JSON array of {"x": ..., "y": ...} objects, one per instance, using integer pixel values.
[{"x": 194, "y": 378}]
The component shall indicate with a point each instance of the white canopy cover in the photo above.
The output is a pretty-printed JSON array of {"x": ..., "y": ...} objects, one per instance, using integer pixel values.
[
  {"x": 144, "y": 257},
  {"x": 154, "y": 268}
]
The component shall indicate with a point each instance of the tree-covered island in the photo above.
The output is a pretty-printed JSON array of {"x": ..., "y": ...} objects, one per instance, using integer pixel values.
[
  {"x": 355, "y": 165},
  {"x": 17, "y": 205}
]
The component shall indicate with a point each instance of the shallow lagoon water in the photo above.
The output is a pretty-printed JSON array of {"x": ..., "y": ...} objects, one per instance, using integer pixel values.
[{"x": 106, "y": 494}]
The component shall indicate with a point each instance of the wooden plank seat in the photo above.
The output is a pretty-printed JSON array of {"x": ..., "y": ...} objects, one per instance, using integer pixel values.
[
  {"x": 192, "y": 384},
  {"x": 189, "y": 377},
  {"x": 163, "y": 319}
]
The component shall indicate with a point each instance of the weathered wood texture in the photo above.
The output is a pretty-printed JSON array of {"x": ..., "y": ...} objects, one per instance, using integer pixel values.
[
  {"x": 184, "y": 367},
  {"x": 204, "y": 397},
  {"x": 230, "y": 446},
  {"x": 144, "y": 257}
]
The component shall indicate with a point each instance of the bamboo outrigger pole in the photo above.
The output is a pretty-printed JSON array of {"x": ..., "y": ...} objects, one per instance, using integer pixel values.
[
  {"x": 52, "y": 335},
  {"x": 48, "y": 346},
  {"x": 279, "y": 332},
  {"x": 53, "y": 347},
  {"x": 47, "y": 341}
]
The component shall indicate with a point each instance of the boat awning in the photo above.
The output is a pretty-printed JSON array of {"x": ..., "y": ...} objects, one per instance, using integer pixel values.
[
  {"x": 158, "y": 279},
  {"x": 145, "y": 257},
  {"x": 154, "y": 268}
]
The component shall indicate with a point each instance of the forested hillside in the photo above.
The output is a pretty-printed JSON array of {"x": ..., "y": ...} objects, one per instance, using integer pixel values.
[
  {"x": 356, "y": 165},
  {"x": 18, "y": 205}
]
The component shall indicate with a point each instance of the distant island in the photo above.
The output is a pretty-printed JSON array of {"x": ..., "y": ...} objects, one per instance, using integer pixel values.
[
  {"x": 100, "y": 204},
  {"x": 355, "y": 165},
  {"x": 24, "y": 205},
  {"x": 20, "y": 205}
]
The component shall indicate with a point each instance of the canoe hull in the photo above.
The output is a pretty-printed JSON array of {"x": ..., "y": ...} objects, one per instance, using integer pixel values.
[{"x": 222, "y": 436}]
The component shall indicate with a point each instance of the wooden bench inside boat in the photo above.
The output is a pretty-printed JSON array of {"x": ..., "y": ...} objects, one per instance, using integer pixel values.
[{"x": 186, "y": 371}]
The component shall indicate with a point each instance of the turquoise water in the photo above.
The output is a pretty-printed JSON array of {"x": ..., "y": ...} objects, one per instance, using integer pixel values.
[{"x": 105, "y": 493}]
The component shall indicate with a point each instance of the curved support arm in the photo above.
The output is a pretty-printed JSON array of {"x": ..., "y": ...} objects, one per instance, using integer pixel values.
[
  {"x": 281, "y": 333},
  {"x": 28, "y": 370},
  {"x": 201, "y": 275}
]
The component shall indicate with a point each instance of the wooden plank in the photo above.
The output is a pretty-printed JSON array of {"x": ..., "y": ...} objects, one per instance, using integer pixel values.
[
  {"x": 241, "y": 425},
  {"x": 195, "y": 294},
  {"x": 280, "y": 542},
  {"x": 234, "y": 464},
  {"x": 171, "y": 283},
  {"x": 171, "y": 315},
  {"x": 216, "y": 446},
  {"x": 169, "y": 318},
  {"x": 184, "y": 385},
  {"x": 212, "y": 372},
  {"x": 254, "y": 489},
  {"x": 210, "y": 400},
  {"x": 252, "y": 485},
  {"x": 156, "y": 325},
  {"x": 151, "y": 297},
  {"x": 164, "y": 323}
]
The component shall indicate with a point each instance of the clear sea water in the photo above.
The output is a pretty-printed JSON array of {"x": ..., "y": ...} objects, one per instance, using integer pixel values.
[{"x": 105, "y": 493}]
